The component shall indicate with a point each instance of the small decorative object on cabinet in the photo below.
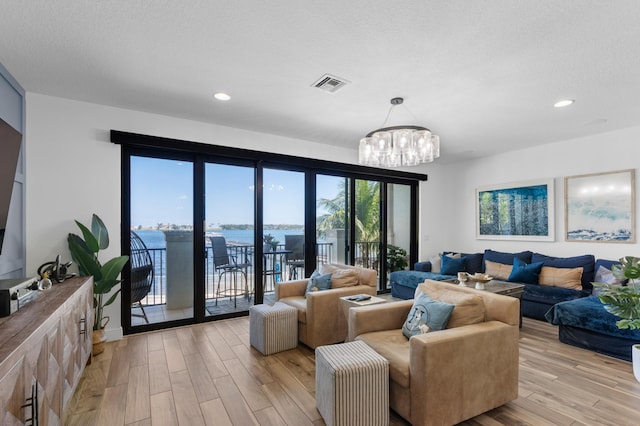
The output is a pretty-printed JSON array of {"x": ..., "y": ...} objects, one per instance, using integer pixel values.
[{"x": 43, "y": 350}]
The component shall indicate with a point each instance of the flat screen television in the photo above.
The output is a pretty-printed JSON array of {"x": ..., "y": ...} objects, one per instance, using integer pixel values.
[{"x": 10, "y": 140}]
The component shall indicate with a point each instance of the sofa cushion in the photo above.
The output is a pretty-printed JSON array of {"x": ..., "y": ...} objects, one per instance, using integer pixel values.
[
  {"x": 436, "y": 261},
  {"x": 426, "y": 315},
  {"x": 318, "y": 282},
  {"x": 469, "y": 308},
  {"x": 588, "y": 313},
  {"x": 393, "y": 346},
  {"x": 500, "y": 271},
  {"x": 506, "y": 258},
  {"x": 587, "y": 262},
  {"x": 451, "y": 265},
  {"x": 561, "y": 277},
  {"x": 524, "y": 273},
  {"x": 473, "y": 262},
  {"x": 550, "y": 295}
]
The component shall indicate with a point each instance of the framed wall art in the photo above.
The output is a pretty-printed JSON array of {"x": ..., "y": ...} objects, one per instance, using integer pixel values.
[
  {"x": 517, "y": 211},
  {"x": 600, "y": 207}
]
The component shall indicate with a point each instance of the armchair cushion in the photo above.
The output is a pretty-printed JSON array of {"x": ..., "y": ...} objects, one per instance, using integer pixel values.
[
  {"x": 394, "y": 346},
  {"x": 426, "y": 315},
  {"x": 344, "y": 278},
  {"x": 469, "y": 308}
]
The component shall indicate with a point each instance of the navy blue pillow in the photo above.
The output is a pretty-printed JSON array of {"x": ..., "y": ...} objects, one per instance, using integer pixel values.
[
  {"x": 474, "y": 262},
  {"x": 586, "y": 261},
  {"x": 525, "y": 273},
  {"x": 506, "y": 258},
  {"x": 451, "y": 266}
]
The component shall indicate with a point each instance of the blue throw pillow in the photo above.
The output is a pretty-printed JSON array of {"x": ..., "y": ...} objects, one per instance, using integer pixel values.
[
  {"x": 318, "y": 282},
  {"x": 426, "y": 315},
  {"x": 451, "y": 265},
  {"x": 525, "y": 273}
]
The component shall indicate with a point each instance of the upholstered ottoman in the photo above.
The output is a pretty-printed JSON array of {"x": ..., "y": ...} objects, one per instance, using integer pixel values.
[
  {"x": 273, "y": 328},
  {"x": 352, "y": 385}
]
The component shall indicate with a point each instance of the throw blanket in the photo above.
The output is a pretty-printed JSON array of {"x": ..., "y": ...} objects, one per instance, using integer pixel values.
[{"x": 588, "y": 313}]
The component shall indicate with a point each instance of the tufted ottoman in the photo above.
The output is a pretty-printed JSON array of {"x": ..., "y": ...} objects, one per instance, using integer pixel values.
[
  {"x": 352, "y": 385},
  {"x": 273, "y": 328}
]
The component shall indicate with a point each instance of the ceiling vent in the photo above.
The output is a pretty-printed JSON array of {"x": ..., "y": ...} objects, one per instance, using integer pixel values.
[{"x": 330, "y": 83}]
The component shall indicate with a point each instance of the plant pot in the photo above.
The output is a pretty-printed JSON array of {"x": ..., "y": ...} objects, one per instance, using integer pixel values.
[
  {"x": 635, "y": 357},
  {"x": 98, "y": 341}
]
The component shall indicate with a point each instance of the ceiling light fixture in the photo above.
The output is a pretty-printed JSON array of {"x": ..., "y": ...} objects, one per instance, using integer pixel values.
[
  {"x": 563, "y": 103},
  {"x": 398, "y": 145},
  {"x": 222, "y": 96}
]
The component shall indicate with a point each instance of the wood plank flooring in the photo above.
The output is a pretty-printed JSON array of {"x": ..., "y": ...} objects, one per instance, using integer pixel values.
[{"x": 209, "y": 375}]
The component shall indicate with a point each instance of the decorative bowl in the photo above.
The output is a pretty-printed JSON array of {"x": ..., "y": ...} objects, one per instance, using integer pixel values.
[{"x": 480, "y": 278}]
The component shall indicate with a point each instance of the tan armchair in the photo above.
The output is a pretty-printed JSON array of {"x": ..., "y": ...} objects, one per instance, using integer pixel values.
[
  {"x": 448, "y": 376},
  {"x": 321, "y": 320}
]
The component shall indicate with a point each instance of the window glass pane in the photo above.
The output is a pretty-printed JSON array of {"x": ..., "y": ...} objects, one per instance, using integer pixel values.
[
  {"x": 398, "y": 227},
  {"x": 229, "y": 238},
  {"x": 161, "y": 240},
  {"x": 332, "y": 219}
]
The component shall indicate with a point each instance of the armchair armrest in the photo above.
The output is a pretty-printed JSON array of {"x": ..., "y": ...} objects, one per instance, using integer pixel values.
[
  {"x": 385, "y": 316},
  {"x": 290, "y": 288},
  {"x": 326, "y": 322},
  {"x": 479, "y": 361}
]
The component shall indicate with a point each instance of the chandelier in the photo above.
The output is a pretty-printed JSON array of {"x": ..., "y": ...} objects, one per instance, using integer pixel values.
[{"x": 398, "y": 145}]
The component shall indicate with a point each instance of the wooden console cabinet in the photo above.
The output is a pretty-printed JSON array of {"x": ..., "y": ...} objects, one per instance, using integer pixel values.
[{"x": 43, "y": 350}]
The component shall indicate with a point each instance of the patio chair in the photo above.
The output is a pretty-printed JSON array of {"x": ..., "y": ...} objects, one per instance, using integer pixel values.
[
  {"x": 141, "y": 273},
  {"x": 225, "y": 263},
  {"x": 295, "y": 259}
]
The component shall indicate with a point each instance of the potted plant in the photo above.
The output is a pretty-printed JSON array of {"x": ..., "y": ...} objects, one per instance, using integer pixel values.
[
  {"x": 84, "y": 251},
  {"x": 396, "y": 258},
  {"x": 624, "y": 301},
  {"x": 270, "y": 243}
]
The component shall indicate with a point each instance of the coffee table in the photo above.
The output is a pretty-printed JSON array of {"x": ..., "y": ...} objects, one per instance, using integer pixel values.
[{"x": 498, "y": 287}]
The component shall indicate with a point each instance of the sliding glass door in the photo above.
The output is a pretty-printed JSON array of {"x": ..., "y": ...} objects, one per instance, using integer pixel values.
[
  {"x": 229, "y": 243},
  {"x": 161, "y": 280}
]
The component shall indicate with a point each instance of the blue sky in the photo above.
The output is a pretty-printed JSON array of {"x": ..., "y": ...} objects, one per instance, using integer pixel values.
[{"x": 162, "y": 192}]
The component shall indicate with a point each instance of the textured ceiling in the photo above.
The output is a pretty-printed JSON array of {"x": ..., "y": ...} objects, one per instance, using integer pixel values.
[{"x": 481, "y": 74}]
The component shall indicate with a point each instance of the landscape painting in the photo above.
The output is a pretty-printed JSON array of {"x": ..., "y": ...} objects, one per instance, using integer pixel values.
[
  {"x": 517, "y": 211},
  {"x": 600, "y": 207}
]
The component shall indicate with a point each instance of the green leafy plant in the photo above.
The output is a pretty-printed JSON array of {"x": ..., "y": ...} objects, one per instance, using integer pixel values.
[
  {"x": 396, "y": 258},
  {"x": 84, "y": 251},
  {"x": 270, "y": 241},
  {"x": 623, "y": 300}
]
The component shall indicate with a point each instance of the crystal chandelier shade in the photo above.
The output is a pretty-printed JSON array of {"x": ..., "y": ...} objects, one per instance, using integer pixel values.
[{"x": 399, "y": 145}]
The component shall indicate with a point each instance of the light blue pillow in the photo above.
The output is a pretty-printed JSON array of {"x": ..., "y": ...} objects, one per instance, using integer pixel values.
[
  {"x": 318, "y": 282},
  {"x": 525, "y": 273},
  {"x": 452, "y": 265},
  {"x": 426, "y": 312}
]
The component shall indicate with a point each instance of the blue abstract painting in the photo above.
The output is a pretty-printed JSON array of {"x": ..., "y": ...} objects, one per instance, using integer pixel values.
[
  {"x": 600, "y": 207},
  {"x": 520, "y": 211}
]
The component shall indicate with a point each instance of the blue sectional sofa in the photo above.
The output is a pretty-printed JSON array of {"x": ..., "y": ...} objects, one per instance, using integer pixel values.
[{"x": 536, "y": 300}]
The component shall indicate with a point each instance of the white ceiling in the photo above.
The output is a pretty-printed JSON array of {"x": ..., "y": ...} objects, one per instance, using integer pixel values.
[{"x": 481, "y": 74}]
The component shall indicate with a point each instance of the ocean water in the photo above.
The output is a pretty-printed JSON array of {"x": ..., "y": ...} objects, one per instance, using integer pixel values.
[{"x": 154, "y": 239}]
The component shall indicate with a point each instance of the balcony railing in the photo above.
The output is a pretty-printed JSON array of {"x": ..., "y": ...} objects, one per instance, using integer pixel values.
[{"x": 157, "y": 294}]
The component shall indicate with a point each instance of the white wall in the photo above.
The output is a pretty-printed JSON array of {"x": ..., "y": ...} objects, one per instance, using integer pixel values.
[
  {"x": 448, "y": 198},
  {"x": 74, "y": 170}
]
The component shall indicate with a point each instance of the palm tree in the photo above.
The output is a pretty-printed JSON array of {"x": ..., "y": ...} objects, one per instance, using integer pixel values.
[{"x": 367, "y": 215}]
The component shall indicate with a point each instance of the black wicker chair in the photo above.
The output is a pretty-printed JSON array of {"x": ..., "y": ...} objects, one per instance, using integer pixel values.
[{"x": 141, "y": 273}]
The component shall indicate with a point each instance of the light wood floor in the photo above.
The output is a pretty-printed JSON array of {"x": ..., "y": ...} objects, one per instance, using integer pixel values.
[{"x": 208, "y": 375}]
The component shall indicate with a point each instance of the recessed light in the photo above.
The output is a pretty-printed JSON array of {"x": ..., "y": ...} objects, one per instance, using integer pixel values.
[
  {"x": 563, "y": 103},
  {"x": 222, "y": 96}
]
